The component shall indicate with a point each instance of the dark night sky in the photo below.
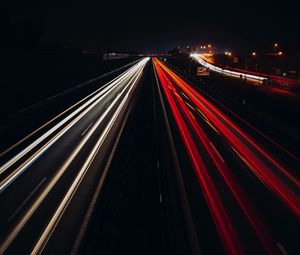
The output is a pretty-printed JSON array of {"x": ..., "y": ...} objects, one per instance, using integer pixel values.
[{"x": 156, "y": 25}]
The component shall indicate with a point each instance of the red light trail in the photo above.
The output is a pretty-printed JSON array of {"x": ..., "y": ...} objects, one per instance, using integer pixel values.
[
  {"x": 268, "y": 170},
  {"x": 220, "y": 216}
]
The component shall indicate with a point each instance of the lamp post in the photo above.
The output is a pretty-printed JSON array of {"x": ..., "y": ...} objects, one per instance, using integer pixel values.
[
  {"x": 275, "y": 48},
  {"x": 256, "y": 61}
]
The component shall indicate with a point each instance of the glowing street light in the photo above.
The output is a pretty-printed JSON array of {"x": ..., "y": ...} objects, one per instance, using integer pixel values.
[
  {"x": 275, "y": 47},
  {"x": 280, "y": 53},
  {"x": 253, "y": 53}
]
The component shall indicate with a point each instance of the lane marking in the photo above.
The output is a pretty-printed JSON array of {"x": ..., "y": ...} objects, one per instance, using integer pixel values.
[{"x": 83, "y": 133}]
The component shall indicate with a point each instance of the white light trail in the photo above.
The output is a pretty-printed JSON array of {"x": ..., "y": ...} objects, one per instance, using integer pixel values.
[
  {"x": 60, "y": 114},
  {"x": 228, "y": 72},
  {"x": 64, "y": 203},
  {"x": 62, "y": 206},
  {"x": 88, "y": 105}
]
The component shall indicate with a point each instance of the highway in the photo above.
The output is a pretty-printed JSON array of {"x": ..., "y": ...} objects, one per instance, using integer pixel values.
[
  {"x": 148, "y": 161},
  {"x": 142, "y": 210},
  {"x": 41, "y": 182},
  {"x": 236, "y": 174}
]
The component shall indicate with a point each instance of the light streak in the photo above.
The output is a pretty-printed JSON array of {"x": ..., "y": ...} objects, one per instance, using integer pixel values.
[
  {"x": 219, "y": 213},
  {"x": 238, "y": 140},
  {"x": 271, "y": 173},
  {"x": 228, "y": 72},
  {"x": 82, "y": 110},
  {"x": 124, "y": 95}
]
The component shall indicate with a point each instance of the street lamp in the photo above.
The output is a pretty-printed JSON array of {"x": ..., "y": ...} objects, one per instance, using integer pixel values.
[
  {"x": 254, "y": 60},
  {"x": 275, "y": 47},
  {"x": 280, "y": 53}
]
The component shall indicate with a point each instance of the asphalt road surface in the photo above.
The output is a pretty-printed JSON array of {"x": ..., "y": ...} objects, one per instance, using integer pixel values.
[
  {"x": 148, "y": 161},
  {"x": 251, "y": 192},
  {"x": 41, "y": 181}
]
